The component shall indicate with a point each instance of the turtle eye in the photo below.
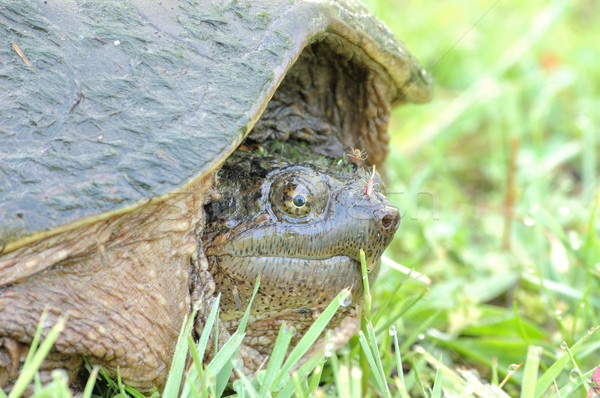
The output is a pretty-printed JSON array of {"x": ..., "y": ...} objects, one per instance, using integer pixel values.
[
  {"x": 295, "y": 199},
  {"x": 298, "y": 195}
]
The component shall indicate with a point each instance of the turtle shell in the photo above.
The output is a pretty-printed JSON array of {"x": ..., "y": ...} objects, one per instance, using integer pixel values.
[{"x": 110, "y": 105}]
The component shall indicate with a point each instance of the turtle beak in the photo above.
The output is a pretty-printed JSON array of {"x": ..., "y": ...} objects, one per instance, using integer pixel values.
[{"x": 373, "y": 222}]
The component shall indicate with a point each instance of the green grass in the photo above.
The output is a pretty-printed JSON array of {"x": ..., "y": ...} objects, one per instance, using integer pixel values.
[
  {"x": 510, "y": 254},
  {"x": 510, "y": 272}
]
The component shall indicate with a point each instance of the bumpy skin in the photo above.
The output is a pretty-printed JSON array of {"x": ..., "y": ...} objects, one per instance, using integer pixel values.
[
  {"x": 304, "y": 252},
  {"x": 123, "y": 285},
  {"x": 113, "y": 122}
]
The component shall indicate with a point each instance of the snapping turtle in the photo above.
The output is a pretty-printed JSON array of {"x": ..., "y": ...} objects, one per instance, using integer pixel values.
[{"x": 116, "y": 118}]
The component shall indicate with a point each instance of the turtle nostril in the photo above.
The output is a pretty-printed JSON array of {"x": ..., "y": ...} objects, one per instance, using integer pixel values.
[
  {"x": 386, "y": 221},
  {"x": 390, "y": 219}
]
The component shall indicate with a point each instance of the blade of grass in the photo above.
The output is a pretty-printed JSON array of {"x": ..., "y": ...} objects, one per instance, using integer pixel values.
[
  {"x": 409, "y": 273},
  {"x": 300, "y": 391},
  {"x": 413, "y": 336},
  {"x": 315, "y": 378},
  {"x": 580, "y": 305},
  {"x": 225, "y": 354},
  {"x": 304, "y": 370},
  {"x": 590, "y": 247},
  {"x": 375, "y": 349},
  {"x": 384, "y": 307},
  {"x": 341, "y": 389},
  {"x": 173, "y": 384},
  {"x": 366, "y": 315},
  {"x": 120, "y": 384},
  {"x": 111, "y": 383},
  {"x": 342, "y": 383},
  {"x": 313, "y": 333},
  {"x": 305, "y": 344},
  {"x": 249, "y": 388},
  {"x": 210, "y": 322},
  {"x": 575, "y": 364},
  {"x": 530, "y": 374},
  {"x": 195, "y": 373},
  {"x": 555, "y": 311},
  {"x": 522, "y": 330},
  {"x": 216, "y": 337},
  {"x": 59, "y": 382},
  {"x": 277, "y": 356},
  {"x": 570, "y": 387},
  {"x": 401, "y": 384},
  {"x": 366, "y": 288},
  {"x": 193, "y": 392},
  {"x": 355, "y": 378},
  {"x": 372, "y": 363},
  {"x": 133, "y": 392},
  {"x": 242, "y": 325},
  {"x": 36, "y": 359},
  {"x": 495, "y": 371},
  {"x": 559, "y": 288},
  {"x": 37, "y": 383},
  {"x": 36, "y": 338},
  {"x": 437, "y": 384},
  {"x": 545, "y": 381},
  {"x": 89, "y": 385},
  {"x": 417, "y": 378},
  {"x": 225, "y": 372},
  {"x": 403, "y": 311},
  {"x": 512, "y": 369}
]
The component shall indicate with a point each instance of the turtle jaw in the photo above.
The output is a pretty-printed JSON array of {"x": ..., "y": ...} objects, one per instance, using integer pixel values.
[
  {"x": 292, "y": 290},
  {"x": 285, "y": 283}
]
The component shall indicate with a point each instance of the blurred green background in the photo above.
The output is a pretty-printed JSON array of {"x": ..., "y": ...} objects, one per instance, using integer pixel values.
[{"x": 497, "y": 181}]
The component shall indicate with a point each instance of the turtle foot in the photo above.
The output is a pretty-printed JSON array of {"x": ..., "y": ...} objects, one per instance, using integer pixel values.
[{"x": 13, "y": 355}]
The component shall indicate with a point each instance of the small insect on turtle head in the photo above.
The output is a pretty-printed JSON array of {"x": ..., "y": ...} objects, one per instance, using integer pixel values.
[
  {"x": 356, "y": 155},
  {"x": 370, "y": 183}
]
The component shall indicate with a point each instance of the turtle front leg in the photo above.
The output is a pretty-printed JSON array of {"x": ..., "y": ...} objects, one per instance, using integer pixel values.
[
  {"x": 10, "y": 355},
  {"x": 12, "y": 358}
]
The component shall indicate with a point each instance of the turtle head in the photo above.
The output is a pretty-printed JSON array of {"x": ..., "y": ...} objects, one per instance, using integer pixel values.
[{"x": 299, "y": 226}]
